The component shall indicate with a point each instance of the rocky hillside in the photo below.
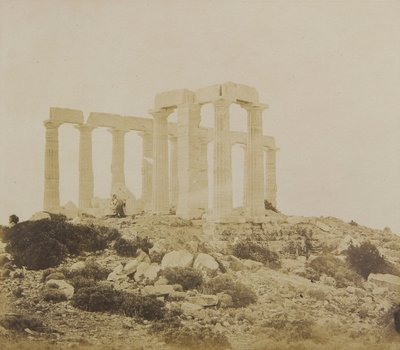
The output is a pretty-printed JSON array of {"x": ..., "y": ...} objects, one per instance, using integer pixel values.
[{"x": 166, "y": 283}]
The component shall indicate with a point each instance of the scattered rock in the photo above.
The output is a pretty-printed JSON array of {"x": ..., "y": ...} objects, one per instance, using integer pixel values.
[
  {"x": 203, "y": 300},
  {"x": 177, "y": 258},
  {"x": 148, "y": 272},
  {"x": 62, "y": 286},
  {"x": 205, "y": 262},
  {"x": 55, "y": 276},
  {"x": 40, "y": 215},
  {"x": 79, "y": 265},
  {"x": 160, "y": 290},
  {"x": 190, "y": 308},
  {"x": 385, "y": 280}
]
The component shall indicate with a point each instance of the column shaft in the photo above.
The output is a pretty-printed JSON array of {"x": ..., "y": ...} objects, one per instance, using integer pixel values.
[
  {"x": 86, "y": 184},
  {"x": 222, "y": 196},
  {"x": 51, "y": 199},
  {"x": 270, "y": 171},
  {"x": 160, "y": 155},
  {"x": 118, "y": 157},
  {"x": 147, "y": 170},
  {"x": 254, "y": 163},
  {"x": 202, "y": 177},
  {"x": 173, "y": 179}
]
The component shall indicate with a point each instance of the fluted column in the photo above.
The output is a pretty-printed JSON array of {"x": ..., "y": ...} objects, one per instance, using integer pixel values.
[
  {"x": 51, "y": 199},
  {"x": 173, "y": 179},
  {"x": 188, "y": 160},
  {"x": 118, "y": 157},
  {"x": 222, "y": 196},
  {"x": 244, "y": 147},
  {"x": 160, "y": 203},
  {"x": 86, "y": 185},
  {"x": 202, "y": 178},
  {"x": 147, "y": 169},
  {"x": 270, "y": 171},
  {"x": 254, "y": 163}
]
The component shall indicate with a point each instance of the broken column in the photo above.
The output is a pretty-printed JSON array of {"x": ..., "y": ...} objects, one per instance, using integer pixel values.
[
  {"x": 173, "y": 179},
  {"x": 147, "y": 169},
  {"x": 188, "y": 161},
  {"x": 254, "y": 185},
  {"x": 118, "y": 157},
  {"x": 222, "y": 196},
  {"x": 86, "y": 185},
  {"x": 270, "y": 171},
  {"x": 51, "y": 201},
  {"x": 160, "y": 202}
]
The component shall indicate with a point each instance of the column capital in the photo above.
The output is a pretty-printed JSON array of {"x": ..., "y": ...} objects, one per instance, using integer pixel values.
[
  {"x": 190, "y": 106},
  {"x": 222, "y": 102},
  {"x": 172, "y": 138},
  {"x": 254, "y": 106},
  {"x": 84, "y": 127},
  {"x": 116, "y": 130},
  {"x": 51, "y": 124},
  {"x": 162, "y": 112}
]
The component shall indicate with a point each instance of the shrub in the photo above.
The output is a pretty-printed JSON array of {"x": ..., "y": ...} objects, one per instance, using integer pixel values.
[
  {"x": 125, "y": 247},
  {"x": 45, "y": 243},
  {"x": 241, "y": 294},
  {"x": 197, "y": 337},
  {"x": 366, "y": 259},
  {"x": 97, "y": 298},
  {"x": 91, "y": 270},
  {"x": 146, "y": 307},
  {"x": 54, "y": 295},
  {"x": 335, "y": 268},
  {"x": 19, "y": 322},
  {"x": 187, "y": 277},
  {"x": 247, "y": 249}
]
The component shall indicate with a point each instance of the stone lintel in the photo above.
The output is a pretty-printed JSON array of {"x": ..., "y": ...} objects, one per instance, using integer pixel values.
[
  {"x": 237, "y": 93},
  {"x": 66, "y": 115},
  {"x": 106, "y": 120},
  {"x": 173, "y": 98}
]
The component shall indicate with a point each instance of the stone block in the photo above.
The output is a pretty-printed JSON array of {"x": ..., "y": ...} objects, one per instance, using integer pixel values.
[
  {"x": 66, "y": 115},
  {"x": 203, "y": 300},
  {"x": 106, "y": 120},
  {"x": 243, "y": 93},
  {"x": 158, "y": 290},
  {"x": 206, "y": 263},
  {"x": 208, "y": 94},
  {"x": 177, "y": 258},
  {"x": 385, "y": 280},
  {"x": 173, "y": 98}
]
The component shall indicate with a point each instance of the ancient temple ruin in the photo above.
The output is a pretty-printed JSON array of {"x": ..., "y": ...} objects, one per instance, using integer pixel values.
[{"x": 178, "y": 178}]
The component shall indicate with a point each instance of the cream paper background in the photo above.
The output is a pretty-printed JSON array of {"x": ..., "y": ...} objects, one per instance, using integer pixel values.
[{"x": 330, "y": 72}]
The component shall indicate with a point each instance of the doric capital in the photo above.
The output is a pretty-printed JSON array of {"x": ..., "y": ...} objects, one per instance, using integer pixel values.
[
  {"x": 116, "y": 131},
  {"x": 254, "y": 106},
  {"x": 85, "y": 127},
  {"x": 172, "y": 138},
  {"x": 222, "y": 103},
  {"x": 51, "y": 124},
  {"x": 162, "y": 112}
]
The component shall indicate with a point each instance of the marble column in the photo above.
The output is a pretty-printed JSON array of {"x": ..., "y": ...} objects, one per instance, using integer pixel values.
[
  {"x": 160, "y": 202},
  {"x": 51, "y": 200},
  {"x": 86, "y": 184},
  {"x": 173, "y": 179},
  {"x": 270, "y": 178},
  {"x": 222, "y": 196},
  {"x": 188, "y": 161},
  {"x": 118, "y": 157},
  {"x": 147, "y": 169},
  {"x": 255, "y": 209},
  {"x": 202, "y": 176},
  {"x": 244, "y": 147}
]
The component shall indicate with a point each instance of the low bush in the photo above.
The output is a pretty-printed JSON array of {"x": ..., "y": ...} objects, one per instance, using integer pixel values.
[
  {"x": 127, "y": 247},
  {"x": 19, "y": 322},
  {"x": 88, "y": 276},
  {"x": 54, "y": 295},
  {"x": 258, "y": 251},
  {"x": 366, "y": 259},
  {"x": 106, "y": 298},
  {"x": 197, "y": 337},
  {"x": 335, "y": 268},
  {"x": 45, "y": 243},
  {"x": 241, "y": 294},
  {"x": 187, "y": 277}
]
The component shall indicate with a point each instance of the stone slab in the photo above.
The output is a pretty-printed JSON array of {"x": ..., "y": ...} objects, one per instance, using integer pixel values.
[
  {"x": 173, "y": 98},
  {"x": 66, "y": 115}
]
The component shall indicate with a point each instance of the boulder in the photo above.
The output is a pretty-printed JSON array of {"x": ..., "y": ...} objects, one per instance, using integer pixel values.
[
  {"x": 141, "y": 256},
  {"x": 159, "y": 290},
  {"x": 61, "y": 286},
  {"x": 131, "y": 267},
  {"x": 225, "y": 300},
  {"x": 205, "y": 262},
  {"x": 4, "y": 259},
  {"x": 190, "y": 308},
  {"x": 392, "y": 282},
  {"x": 80, "y": 265},
  {"x": 177, "y": 258},
  {"x": 203, "y": 300},
  {"x": 345, "y": 243},
  {"x": 55, "y": 276},
  {"x": 40, "y": 215},
  {"x": 146, "y": 271}
]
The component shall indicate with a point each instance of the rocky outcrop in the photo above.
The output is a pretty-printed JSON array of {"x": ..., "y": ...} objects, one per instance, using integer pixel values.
[{"x": 177, "y": 258}]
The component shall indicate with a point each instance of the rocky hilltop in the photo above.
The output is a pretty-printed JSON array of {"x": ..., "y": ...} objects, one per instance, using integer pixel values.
[{"x": 160, "y": 282}]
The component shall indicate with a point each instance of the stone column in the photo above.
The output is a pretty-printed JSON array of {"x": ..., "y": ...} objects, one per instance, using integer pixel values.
[
  {"x": 222, "y": 196},
  {"x": 147, "y": 169},
  {"x": 188, "y": 161},
  {"x": 173, "y": 179},
  {"x": 270, "y": 171},
  {"x": 244, "y": 147},
  {"x": 202, "y": 177},
  {"x": 118, "y": 157},
  {"x": 51, "y": 201},
  {"x": 86, "y": 185},
  {"x": 160, "y": 203},
  {"x": 255, "y": 209}
]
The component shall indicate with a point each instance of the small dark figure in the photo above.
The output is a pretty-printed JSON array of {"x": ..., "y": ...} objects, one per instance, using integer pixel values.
[
  {"x": 13, "y": 220},
  {"x": 118, "y": 206},
  {"x": 396, "y": 316}
]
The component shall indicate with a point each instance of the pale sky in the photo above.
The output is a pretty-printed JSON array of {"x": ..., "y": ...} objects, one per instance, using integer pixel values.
[{"x": 329, "y": 71}]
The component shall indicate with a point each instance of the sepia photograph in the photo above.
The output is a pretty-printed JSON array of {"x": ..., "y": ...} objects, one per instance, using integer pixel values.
[{"x": 199, "y": 174}]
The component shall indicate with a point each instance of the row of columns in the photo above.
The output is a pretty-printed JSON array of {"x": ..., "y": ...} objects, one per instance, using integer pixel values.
[{"x": 182, "y": 182}]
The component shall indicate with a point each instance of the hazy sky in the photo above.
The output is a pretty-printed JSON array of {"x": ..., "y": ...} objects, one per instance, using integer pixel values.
[{"x": 329, "y": 71}]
